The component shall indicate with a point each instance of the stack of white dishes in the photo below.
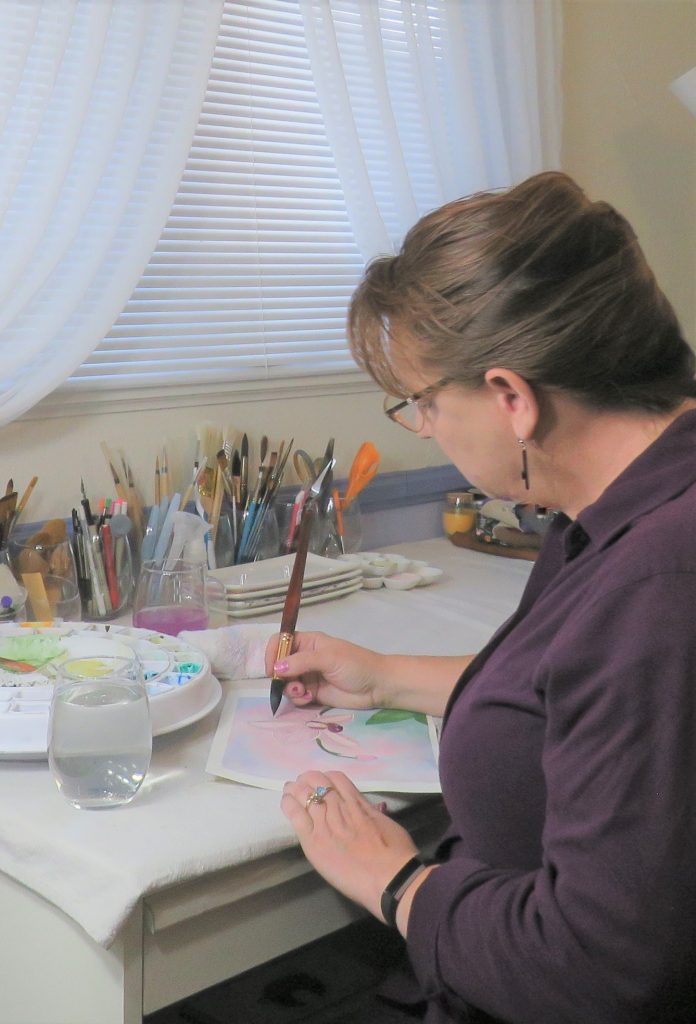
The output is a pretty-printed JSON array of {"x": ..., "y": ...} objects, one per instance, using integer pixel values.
[{"x": 260, "y": 587}]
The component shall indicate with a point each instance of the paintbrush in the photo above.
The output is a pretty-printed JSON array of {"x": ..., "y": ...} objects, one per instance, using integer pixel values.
[
  {"x": 217, "y": 502},
  {"x": 8, "y": 503},
  {"x": 254, "y": 504},
  {"x": 328, "y": 481},
  {"x": 236, "y": 471},
  {"x": 198, "y": 470},
  {"x": 210, "y": 441},
  {"x": 244, "y": 472},
  {"x": 280, "y": 467},
  {"x": 135, "y": 505},
  {"x": 273, "y": 484},
  {"x": 120, "y": 489},
  {"x": 22, "y": 505},
  {"x": 292, "y": 601},
  {"x": 223, "y": 463},
  {"x": 237, "y": 475},
  {"x": 164, "y": 475},
  {"x": 228, "y": 448}
]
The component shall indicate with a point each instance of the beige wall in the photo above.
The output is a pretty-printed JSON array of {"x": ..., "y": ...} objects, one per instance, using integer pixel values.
[
  {"x": 61, "y": 450},
  {"x": 626, "y": 139}
]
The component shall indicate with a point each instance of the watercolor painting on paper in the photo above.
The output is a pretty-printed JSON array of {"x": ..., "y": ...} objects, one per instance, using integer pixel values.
[{"x": 381, "y": 751}]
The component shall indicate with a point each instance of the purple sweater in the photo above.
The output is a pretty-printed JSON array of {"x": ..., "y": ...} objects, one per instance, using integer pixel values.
[{"x": 568, "y": 767}]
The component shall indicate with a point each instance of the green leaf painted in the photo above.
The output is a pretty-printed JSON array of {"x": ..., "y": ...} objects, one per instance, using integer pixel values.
[{"x": 387, "y": 716}]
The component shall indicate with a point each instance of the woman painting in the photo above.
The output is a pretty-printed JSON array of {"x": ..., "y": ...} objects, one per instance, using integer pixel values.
[{"x": 525, "y": 333}]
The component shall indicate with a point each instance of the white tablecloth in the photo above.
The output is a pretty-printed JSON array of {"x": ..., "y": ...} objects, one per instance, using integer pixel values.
[{"x": 95, "y": 865}]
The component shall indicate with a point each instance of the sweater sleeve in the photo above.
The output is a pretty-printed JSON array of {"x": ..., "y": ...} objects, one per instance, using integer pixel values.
[{"x": 605, "y": 929}]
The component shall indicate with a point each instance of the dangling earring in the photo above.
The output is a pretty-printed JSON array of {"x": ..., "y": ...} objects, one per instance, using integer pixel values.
[{"x": 525, "y": 466}]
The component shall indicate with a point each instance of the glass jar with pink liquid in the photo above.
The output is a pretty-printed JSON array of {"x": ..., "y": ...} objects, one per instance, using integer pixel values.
[{"x": 169, "y": 599}]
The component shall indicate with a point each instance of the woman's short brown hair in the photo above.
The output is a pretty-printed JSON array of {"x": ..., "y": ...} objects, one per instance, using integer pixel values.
[{"x": 537, "y": 279}]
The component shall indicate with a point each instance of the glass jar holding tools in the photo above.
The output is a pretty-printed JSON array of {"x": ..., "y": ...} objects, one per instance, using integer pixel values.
[
  {"x": 340, "y": 526},
  {"x": 104, "y": 559},
  {"x": 257, "y": 536},
  {"x": 336, "y": 529},
  {"x": 44, "y": 564}
]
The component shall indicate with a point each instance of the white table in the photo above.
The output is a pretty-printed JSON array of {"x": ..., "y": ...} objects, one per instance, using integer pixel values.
[{"x": 234, "y": 889}]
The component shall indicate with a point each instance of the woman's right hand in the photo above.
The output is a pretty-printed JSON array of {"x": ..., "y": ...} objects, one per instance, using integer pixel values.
[{"x": 327, "y": 671}]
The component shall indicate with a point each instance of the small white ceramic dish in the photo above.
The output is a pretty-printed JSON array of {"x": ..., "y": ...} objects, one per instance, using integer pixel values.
[
  {"x": 428, "y": 574},
  {"x": 402, "y": 581}
]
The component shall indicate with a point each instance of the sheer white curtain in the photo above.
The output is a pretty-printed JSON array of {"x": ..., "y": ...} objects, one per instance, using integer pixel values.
[
  {"x": 98, "y": 105},
  {"x": 684, "y": 88},
  {"x": 476, "y": 84}
]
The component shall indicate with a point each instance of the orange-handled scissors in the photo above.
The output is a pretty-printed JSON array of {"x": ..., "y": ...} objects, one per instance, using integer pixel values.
[{"x": 364, "y": 467}]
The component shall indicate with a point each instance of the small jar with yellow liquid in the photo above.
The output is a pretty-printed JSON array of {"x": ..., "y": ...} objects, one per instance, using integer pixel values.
[{"x": 459, "y": 515}]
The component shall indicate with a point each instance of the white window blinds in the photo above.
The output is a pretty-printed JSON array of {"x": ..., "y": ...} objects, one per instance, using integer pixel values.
[
  {"x": 249, "y": 284},
  {"x": 253, "y": 272}
]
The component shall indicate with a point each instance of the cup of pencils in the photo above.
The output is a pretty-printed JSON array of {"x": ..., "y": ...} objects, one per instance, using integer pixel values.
[{"x": 104, "y": 559}]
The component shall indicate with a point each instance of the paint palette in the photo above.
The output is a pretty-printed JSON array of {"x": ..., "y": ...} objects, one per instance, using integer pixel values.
[{"x": 180, "y": 684}]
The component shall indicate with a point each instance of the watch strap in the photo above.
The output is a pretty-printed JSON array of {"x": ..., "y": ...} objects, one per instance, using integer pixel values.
[{"x": 398, "y": 886}]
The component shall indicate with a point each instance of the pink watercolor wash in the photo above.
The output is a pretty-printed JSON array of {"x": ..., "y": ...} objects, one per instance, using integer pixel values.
[{"x": 252, "y": 746}]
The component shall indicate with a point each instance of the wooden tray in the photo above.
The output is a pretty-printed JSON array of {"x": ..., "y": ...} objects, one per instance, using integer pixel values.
[{"x": 471, "y": 541}]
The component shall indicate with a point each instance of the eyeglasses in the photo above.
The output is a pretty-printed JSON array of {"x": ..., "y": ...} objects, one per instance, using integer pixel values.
[{"x": 412, "y": 411}]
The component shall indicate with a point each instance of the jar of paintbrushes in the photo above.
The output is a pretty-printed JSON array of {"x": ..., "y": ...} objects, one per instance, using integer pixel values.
[{"x": 255, "y": 528}]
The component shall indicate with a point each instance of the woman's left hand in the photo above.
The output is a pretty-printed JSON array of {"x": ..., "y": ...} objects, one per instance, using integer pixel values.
[{"x": 349, "y": 841}]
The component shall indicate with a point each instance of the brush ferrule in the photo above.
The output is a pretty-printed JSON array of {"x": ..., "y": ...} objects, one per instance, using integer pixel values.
[{"x": 284, "y": 648}]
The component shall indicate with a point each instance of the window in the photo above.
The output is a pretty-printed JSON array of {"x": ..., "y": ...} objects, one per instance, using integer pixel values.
[
  {"x": 252, "y": 275},
  {"x": 249, "y": 284}
]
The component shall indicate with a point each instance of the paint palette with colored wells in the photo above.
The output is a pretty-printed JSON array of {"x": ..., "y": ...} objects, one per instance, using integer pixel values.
[{"x": 180, "y": 684}]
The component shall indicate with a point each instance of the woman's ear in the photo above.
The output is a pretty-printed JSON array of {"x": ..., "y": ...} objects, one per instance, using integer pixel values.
[{"x": 516, "y": 400}]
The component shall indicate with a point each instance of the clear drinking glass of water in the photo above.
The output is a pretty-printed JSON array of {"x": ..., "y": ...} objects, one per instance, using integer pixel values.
[{"x": 99, "y": 733}]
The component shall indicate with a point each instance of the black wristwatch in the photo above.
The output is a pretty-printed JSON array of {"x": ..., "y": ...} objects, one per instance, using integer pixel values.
[{"x": 398, "y": 886}]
